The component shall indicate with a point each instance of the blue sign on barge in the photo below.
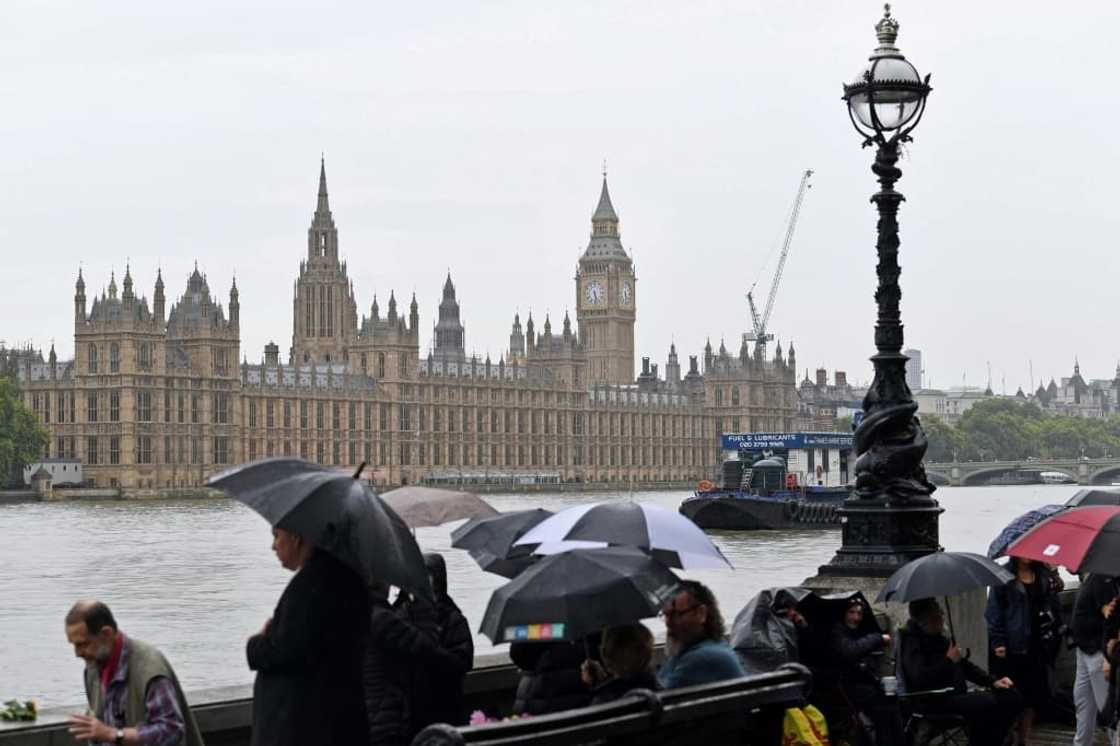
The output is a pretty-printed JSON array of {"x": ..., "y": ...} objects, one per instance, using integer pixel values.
[{"x": 771, "y": 481}]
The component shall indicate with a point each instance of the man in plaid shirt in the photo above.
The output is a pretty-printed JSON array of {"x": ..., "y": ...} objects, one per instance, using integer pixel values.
[{"x": 133, "y": 694}]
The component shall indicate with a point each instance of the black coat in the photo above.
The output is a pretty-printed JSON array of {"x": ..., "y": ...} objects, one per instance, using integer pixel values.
[
  {"x": 402, "y": 657},
  {"x": 925, "y": 667},
  {"x": 1088, "y": 625},
  {"x": 308, "y": 663},
  {"x": 455, "y": 657},
  {"x": 850, "y": 651},
  {"x": 613, "y": 689},
  {"x": 550, "y": 680}
]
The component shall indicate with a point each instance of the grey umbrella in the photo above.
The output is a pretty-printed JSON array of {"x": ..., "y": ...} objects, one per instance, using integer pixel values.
[
  {"x": 428, "y": 506},
  {"x": 336, "y": 512}
]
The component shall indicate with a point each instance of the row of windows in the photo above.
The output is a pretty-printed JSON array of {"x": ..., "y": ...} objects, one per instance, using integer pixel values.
[
  {"x": 470, "y": 419},
  {"x": 95, "y": 407},
  {"x": 339, "y": 453},
  {"x": 145, "y": 358},
  {"x": 101, "y": 450}
]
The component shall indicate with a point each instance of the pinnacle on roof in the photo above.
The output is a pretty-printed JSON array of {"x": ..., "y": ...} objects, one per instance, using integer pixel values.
[
  {"x": 448, "y": 286},
  {"x": 112, "y": 284},
  {"x": 414, "y": 305},
  {"x": 323, "y": 205},
  {"x": 80, "y": 286},
  {"x": 159, "y": 278},
  {"x": 605, "y": 210}
]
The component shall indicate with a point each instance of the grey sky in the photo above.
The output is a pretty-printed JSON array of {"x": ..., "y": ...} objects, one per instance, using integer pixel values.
[{"x": 470, "y": 136}]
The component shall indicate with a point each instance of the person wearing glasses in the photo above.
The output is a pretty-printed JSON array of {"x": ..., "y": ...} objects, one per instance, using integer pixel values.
[{"x": 694, "y": 638}]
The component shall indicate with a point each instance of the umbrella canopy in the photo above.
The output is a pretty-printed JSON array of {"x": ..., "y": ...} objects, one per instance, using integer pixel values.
[
  {"x": 428, "y": 506},
  {"x": 670, "y": 537},
  {"x": 334, "y": 511},
  {"x": 1020, "y": 526},
  {"x": 1085, "y": 498},
  {"x": 573, "y": 594},
  {"x": 1082, "y": 539},
  {"x": 942, "y": 574},
  {"x": 490, "y": 539}
]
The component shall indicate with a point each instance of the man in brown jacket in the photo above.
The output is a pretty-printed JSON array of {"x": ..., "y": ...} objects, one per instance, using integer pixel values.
[{"x": 134, "y": 696}]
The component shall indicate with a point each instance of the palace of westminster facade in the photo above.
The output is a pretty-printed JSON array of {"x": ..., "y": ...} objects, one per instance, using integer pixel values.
[{"x": 156, "y": 398}]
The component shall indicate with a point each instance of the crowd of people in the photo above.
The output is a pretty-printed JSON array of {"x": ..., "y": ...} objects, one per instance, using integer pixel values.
[{"x": 341, "y": 663}]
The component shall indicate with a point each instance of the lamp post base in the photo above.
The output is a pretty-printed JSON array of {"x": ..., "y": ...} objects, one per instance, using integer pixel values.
[{"x": 879, "y": 537}]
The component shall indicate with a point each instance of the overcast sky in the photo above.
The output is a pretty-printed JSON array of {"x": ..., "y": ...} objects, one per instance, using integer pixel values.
[{"x": 470, "y": 136}]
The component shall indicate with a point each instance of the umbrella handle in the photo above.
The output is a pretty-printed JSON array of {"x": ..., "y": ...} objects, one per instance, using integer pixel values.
[
  {"x": 358, "y": 472},
  {"x": 949, "y": 613}
]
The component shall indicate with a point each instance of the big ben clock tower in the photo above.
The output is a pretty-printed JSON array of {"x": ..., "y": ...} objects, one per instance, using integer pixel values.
[{"x": 606, "y": 299}]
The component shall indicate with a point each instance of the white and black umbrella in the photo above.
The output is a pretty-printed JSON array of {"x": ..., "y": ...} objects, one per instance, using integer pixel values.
[{"x": 669, "y": 537}]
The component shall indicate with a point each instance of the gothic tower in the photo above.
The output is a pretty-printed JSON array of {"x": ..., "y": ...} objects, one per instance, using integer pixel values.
[
  {"x": 325, "y": 316},
  {"x": 606, "y": 299},
  {"x": 449, "y": 343}
]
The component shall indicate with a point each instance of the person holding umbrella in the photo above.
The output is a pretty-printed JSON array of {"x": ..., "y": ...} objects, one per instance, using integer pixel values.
[
  {"x": 307, "y": 656},
  {"x": 339, "y": 539},
  {"x": 1024, "y": 618},
  {"x": 931, "y": 661}
]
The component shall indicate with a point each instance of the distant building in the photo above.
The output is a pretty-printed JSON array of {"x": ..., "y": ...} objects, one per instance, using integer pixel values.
[
  {"x": 163, "y": 395},
  {"x": 820, "y": 403},
  {"x": 61, "y": 470},
  {"x": 948, "y": 405},
  {"x": 914, "y": 369}
]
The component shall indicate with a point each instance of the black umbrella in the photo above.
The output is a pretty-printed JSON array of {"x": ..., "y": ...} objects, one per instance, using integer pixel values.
[
  {"x": 334, "y": 511},
  {"x": 1085, "y": 498},
  {"x": 489, "y": 539},
  {"x": 943, "y": 574},
  {"x": 573, "y": 594}
]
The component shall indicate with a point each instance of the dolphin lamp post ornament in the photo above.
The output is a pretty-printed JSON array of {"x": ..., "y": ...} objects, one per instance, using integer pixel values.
[{"x": 890, "y": 517}]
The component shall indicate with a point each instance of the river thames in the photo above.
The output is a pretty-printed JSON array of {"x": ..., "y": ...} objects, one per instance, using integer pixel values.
[{"x": 196, "y": 578}]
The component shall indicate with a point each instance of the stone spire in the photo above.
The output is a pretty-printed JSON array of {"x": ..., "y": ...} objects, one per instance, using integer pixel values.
[
  {"x": 414, "y": 314},
  {"x": 604, "y": 221},
  {"x": 374, "y": 309},
  {"x": 568, "y": 327},
  {"x": 113, "y": 284},
  {"x": 322, "y": 236},
  {"x": 324, "y": 206},
  {"x": 80, "y": 299},
  {"x": 516, "y": 339},
  {"x": 530, "y": 335},
  {"x": 392, "y": 306},
  {"x": 158, "y": 298},
  {"x": 127, "y": 295},
  {"x": 234, "y": 304}
]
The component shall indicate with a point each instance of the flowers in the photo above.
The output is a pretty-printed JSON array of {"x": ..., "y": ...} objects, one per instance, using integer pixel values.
[
  {"x": 478, "y": 717},
  {"x": 14, "y": 710}
]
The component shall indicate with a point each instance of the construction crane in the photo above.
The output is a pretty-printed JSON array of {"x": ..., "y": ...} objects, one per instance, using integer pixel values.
[{"x": 759, "y": 335}]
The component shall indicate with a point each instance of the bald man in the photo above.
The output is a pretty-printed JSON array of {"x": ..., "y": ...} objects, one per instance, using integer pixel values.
[{"x": 133, "y": 694}]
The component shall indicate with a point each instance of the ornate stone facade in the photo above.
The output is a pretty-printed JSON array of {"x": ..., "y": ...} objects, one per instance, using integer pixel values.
[{"x": 154, "y": 402}]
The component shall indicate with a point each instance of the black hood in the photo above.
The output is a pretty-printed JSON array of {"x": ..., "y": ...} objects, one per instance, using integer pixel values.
[{"x": 437, "y": 569}]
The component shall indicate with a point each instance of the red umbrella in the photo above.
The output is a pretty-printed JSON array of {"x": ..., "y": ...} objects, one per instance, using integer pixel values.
[{"x": 1081, "y": 539}]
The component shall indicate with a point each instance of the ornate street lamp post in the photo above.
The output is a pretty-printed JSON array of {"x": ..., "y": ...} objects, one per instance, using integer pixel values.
[{"x": 890, "y": 517}]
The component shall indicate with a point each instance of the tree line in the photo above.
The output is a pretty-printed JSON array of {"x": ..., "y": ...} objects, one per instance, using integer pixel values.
[
  {"x": 1014, "y": 430},
  {"x": 22, "y": 438}
]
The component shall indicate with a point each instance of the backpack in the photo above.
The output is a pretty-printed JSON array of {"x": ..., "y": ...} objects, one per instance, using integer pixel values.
[{"x": 804, "y": 726}]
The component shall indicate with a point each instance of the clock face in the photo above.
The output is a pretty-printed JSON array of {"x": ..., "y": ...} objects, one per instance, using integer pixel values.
[
  {"x": 626, "y": 293},
  {"x": 594, "y": 292}
]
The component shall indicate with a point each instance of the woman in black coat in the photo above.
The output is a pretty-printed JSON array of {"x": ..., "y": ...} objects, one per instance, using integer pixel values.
[
  {"x": 456, "y": 650},
  {"x": 308, "y": 655},
  {"x": 550, "y": 677}
]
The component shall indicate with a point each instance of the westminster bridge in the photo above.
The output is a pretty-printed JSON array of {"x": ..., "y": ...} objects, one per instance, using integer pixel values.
[{"x": 1085, "y": 471}]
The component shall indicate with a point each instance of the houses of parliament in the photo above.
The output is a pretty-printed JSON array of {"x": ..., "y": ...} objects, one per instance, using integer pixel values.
[{"x": 161, "y": 396}]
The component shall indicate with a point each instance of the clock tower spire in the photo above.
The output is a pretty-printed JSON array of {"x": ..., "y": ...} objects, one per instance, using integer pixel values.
[{"x": 605, "y": 298}]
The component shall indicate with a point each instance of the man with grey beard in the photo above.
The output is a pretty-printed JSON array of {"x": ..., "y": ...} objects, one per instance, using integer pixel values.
[
  {"x": 694, "y": 632},
  {"x": 134, "y": 696}
]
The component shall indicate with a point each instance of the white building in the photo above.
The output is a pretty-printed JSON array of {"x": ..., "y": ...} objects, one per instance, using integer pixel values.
[{"x": 62, "y": 470}]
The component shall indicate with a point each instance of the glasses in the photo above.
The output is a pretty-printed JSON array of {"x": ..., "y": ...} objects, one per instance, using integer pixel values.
[{"x": 674, "y": 613}]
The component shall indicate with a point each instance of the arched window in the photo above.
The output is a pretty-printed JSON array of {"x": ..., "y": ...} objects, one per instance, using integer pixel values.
[
  {"x": 734, "y": 396},
  {"x": 402, "y": 366},
  {"x": 365, "y": 363},
  {"x": 92, "y": 358},
  {"x": 114, "y": 358},
  {"x": 145, "y": 356},
  {"x": 381, "y": 365}
]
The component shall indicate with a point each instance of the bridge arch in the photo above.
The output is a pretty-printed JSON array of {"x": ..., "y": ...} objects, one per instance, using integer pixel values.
[
  {"x": 939, "y": 478},
  {"x": 1106, "y": 476},
  {"x": 972, "y": 478}
]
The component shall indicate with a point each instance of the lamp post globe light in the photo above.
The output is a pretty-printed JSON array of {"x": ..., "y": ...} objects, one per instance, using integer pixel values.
[{"x": 890, "y": 518}]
